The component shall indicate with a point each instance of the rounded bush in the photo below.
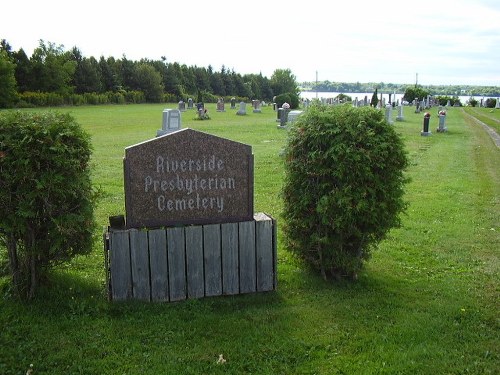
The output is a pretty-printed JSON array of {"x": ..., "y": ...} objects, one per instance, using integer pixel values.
[
  {"x": 344, "y": 186},
  {"x": 46, "y": 197}
]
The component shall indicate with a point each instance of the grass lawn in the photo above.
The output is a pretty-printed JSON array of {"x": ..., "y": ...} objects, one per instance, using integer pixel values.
[{"x": 426, "y": 303}]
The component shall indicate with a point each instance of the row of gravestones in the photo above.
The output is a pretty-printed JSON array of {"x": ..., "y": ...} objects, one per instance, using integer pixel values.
[
  {"x": 172, "y": 118},
  {"x": 256, "y": 104}
]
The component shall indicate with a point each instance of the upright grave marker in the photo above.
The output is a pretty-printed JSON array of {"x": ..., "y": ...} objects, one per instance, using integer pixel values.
[
  {"x": 188, "y": 177},
  {"x": 171, "y": 122},
  {"x": 191, "y": 231}
]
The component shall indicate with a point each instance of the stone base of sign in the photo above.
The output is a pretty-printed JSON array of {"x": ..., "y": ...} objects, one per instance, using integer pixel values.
[{"x": 195, "y": 261}]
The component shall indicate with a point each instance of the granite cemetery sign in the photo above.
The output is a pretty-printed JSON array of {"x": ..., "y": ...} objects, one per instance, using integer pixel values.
[{"x": 187, "y": 177}]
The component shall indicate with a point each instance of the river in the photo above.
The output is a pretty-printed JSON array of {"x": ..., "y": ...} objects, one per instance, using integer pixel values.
[{"x": 361, "y": 96}]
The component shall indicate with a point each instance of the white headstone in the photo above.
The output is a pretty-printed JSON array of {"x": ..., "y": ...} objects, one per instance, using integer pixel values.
[
  {"x": 171, "y": 122},
  {"x": 243, "y": 109},
  {"x": 388, "y": 114},
  {"x": 400, "y": 113}
]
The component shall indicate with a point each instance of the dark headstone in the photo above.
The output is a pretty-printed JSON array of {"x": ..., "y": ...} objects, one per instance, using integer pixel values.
[{"x": 188, "y": 177}]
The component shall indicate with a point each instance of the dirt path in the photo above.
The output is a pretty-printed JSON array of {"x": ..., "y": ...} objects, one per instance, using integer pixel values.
[{"x": 494, "y": 135}]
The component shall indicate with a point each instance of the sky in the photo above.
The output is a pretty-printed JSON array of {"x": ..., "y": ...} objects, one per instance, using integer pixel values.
[{"x": 432, "y": 42}]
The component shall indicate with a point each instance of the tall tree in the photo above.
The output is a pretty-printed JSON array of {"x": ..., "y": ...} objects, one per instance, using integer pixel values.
[
  {"x": 53, "y": 69},
  {"x": 109, "y": 76},
  {"x": 283, "y": 81},
  {"x": 8, "y": 89},
  {"x": 149, "y": 81},
  {"x": 87, "y": 77},
  {"x": 23, "y": 70}
]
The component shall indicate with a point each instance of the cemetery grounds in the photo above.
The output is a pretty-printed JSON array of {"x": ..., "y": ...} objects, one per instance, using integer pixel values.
[{"x": 426, "y": 303}]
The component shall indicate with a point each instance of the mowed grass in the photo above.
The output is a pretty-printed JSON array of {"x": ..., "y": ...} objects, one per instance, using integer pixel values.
[
  {"x": 489, "y": 116},
  {"x": 426, "y": 303}
]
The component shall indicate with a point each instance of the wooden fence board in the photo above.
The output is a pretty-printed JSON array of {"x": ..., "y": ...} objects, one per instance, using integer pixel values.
[
  {"x": 247, "y": 257},
  {"x": 176, "y": 264},
  {"x": 121, "y": 278},
  {"x": 194, "y": 262},
  {"x": 230, "y": 262},
  {"x": 139, "y": 257},
  {"x": 264, "y": 253},
  {"x": 212, "y": 259},
  {"x": 158, "y": 264}
]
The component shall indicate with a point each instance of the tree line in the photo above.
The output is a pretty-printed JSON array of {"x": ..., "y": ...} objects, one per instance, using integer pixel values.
[{"x": 53, "y": 75}]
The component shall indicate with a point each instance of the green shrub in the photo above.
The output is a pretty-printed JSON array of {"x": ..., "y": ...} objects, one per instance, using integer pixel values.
[
  {"x": 46, "y": 198},
  {"x": 343, "y": 189},
  {"x": 443, "y": 100},
  {"x": 472, "y": 102},
  {"x": 490, "y": 103},
  {"x": 290, "y": 98},
  {"x": 282, "y": 98}
]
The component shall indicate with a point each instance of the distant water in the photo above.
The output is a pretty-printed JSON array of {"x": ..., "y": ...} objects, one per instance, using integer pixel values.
[{"x": 361, "y": 95}]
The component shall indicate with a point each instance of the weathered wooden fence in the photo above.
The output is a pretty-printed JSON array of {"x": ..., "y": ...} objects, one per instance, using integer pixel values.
[{"x": 173, "y": 264}]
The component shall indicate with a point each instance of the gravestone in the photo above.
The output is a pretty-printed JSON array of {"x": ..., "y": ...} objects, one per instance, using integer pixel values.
[
  {"x": 497, "y": 106},
  {"x": 190, "y": 228},
  {"x": 283, "y": 117},
  {"x": 171, "y": 122},
  {"x": 292, "y": 116},
  {"x": 187, "y": 177},
  {"x": 243, "y": 109},
  {"x": 182, "y": 106},
  {"x": 233, "y": 103},
  {"x": 425, "y": 131},
  {"x": 190, "y": 103},
  {"x": 417, "y": 106},
  {"x": 442, "y": 122},
  {"x": 256, "y": 106},
  {"x": 388, "y": 114},
  {"x": 220, "y": 105},
  {"x": 400, "y": 116}
]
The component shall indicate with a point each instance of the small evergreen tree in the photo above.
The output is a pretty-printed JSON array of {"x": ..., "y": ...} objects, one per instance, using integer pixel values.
[
  {"x": 343, "y": 189},
  {"x": 374, "y": 100}
]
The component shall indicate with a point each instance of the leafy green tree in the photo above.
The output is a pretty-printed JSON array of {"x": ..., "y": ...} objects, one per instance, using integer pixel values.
[
  {"x": 110, "y": 79},
  {"x": 412, "y": 93},
  {"x": 52, "y": 69},
  {"x": 217, "y": 84},
  {"x": 23, "y": 70},
  {"x": 227, "y": 78},
  {"x": 283, "y": 81},
  {"x": 87, "y": 76},
  {"x": 343, "y": 187},
  {"x": 8, "y": 87},
  {"x": 46, "y": 197},
  {"x": 150, "y": 82},
  {"x": 127, "y": 73}
]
